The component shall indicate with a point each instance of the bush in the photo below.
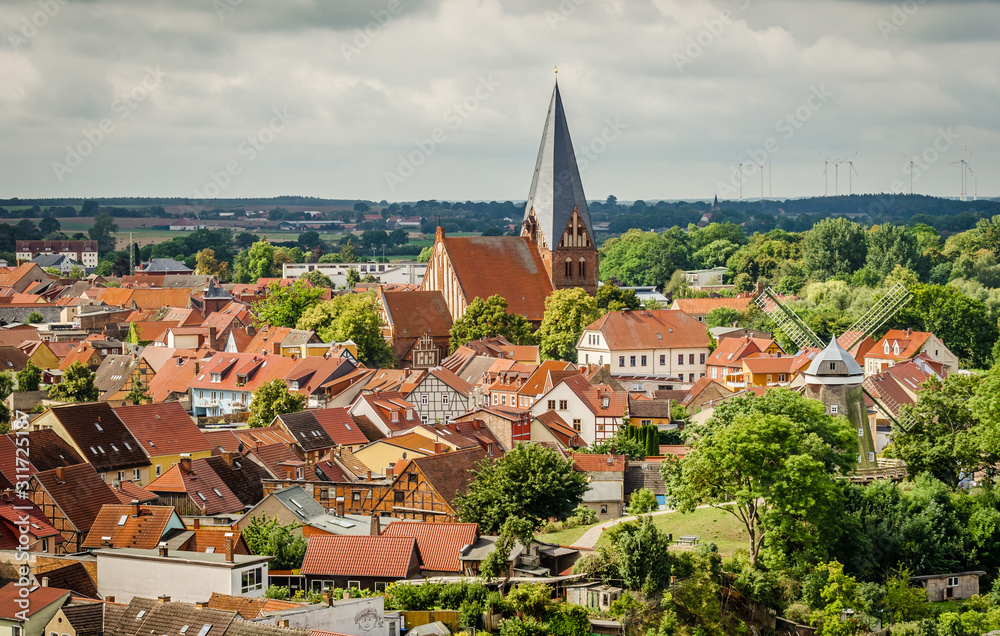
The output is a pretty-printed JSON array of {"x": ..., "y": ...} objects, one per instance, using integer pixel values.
[
  {"x": 277, "y": 591},
  {"x": 585, "y": 516},
  {"x": 642, "y": 502},
  {"x": 413, "y": 598},
  {"x": 798, "y": 613},
  {"x": 522, "y": 627},
  {"x": 468, "y": 614}
]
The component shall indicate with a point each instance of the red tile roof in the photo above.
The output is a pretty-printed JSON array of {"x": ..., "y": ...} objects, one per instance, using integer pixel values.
[
  {"x": 706, "y": 305},
  {"x": 414, "y": 313},
  {"x": 599, "y": 463},
  {"x": 382, "y": 556},
  {"x": 119, "y": 526},
  {"x": 80, "y": 493},
  {"x": 440, "y": 544},
  {"x": 101, "y": 436},
  {"x": 163, "y": 429},
  {"x": 12, "y": 523},
  {"x": 656, "y": 329},
  {"x": 340, "y": 426},
  {"x": 38, "y": 599},
  {"x": 128, "y": 491},
  {"x": 909, "y": 343},
  {"x": 515, "y": 271},
  {"x": 202, "y": 485},
  {"x": 593, "y": 396}
]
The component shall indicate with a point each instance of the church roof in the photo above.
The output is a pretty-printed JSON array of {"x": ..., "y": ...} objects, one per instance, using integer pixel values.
[
  {"x": 834, "y": 353},
  {"x": 506, "y": 265},
  {"x": 556, "y": 187}
]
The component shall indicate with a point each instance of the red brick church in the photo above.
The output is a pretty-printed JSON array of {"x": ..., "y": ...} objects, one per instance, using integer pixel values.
[{"x": 556, "y": 248}]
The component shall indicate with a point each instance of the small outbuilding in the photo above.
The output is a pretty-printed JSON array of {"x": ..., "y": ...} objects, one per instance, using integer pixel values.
[{"x": 945, "y": 587}]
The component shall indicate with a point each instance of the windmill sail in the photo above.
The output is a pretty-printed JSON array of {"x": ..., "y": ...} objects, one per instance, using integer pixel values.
[
  {"x": 878, "y": 315},
  {"x": 889, "y": 407},
  {"x": 786, "y": 320}
]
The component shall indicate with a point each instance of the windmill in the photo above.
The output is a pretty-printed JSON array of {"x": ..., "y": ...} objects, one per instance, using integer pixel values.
[
  {"x": 965, "y": 167},
  {"x": 826, "y": 180},
  {"x": 834, "y": 377},
  {"x": 852, "y": 171},
  {"x": 740, "y": 168},
  {"x": 912, "y": 160}
]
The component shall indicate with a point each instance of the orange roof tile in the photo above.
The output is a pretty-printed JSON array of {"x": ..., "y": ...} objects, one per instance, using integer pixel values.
[
  {"x": 122, "y": 526},
  {"x": 599, "y": 463},
  {"x": 656, "y": 329},
  {"x": 381, "y": 556},
  {"x": 440, "y": 544},
  {"x": 706, "y": 305}
]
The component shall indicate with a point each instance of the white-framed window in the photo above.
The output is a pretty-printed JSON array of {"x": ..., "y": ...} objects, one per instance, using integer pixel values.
[
  {"x": 380, "y": 586},
  {"x": 135, "y": 474},
  {"x": 834, "y": 409},
  {"x": 444, "y": 398},
  {"x": 159, "y": 470},
  {"x": 252, "y": 580},
  {"x": 952, "y": 581},
  {"x": 861, "y": 432},
  {"x": 423, "y": 398},
  {"x": 354, "y": 585}
]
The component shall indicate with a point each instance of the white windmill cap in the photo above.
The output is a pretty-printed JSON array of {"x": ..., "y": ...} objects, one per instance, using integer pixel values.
[{"x": 834, "y": 353}]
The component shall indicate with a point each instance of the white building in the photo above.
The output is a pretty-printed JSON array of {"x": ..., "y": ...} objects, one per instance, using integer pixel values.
[
  {"x": 661, "y": 343},
  {"x": 399, "y": 272},
  {"x": 186, "y": 577},
  {"x": 594, "y": 411}
]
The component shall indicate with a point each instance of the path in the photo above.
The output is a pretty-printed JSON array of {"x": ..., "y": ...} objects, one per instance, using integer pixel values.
[{"x": 590, "y": 537}]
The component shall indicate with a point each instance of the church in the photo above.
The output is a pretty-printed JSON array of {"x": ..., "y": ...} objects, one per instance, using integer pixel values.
[{"x": 555, "y": 250}]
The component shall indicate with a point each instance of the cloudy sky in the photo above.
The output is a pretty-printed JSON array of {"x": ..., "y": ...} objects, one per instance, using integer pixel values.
[{"x": 411, "y": 99}]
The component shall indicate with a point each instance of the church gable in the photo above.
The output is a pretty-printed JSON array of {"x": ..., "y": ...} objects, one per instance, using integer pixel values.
[{"x": 576, "y": 233}]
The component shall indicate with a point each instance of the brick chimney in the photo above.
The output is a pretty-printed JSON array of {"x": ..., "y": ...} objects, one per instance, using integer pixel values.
[
  {"x": 196, "y": 524},
  {"x": 229, "y": 549},
  {"x": 136, "y": 508},
  {"x": 376, "y": 526},
  {"x": 59, "y": 473},
  {"x": 163, "y": 598},
  {"x": 186, "y": 462},
  {"x": 163, "y": 551},
  {"x": 340, "y": 506},
  {"x": 45, "y": 581}
]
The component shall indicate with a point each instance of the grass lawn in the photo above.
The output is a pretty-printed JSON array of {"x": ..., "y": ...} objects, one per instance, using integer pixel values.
[{"x": 565, "y": 537}]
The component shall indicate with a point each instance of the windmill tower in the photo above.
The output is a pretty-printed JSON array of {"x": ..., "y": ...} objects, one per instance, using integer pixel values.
[{"x": 834, "y": 377}]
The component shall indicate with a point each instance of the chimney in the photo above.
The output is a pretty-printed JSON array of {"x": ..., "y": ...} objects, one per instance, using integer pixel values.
[
  {"x": 283, "y": 622},
  {"x": 109, "y": 599},
  {"x": 376, "y": 526},
  {"x": 196, "y": 524},
  {"x": 197, "y": 367},
  {"x": 201, "y": 604},
  {"x": 45, "y": 581},
  {"x": 369, "y": 475},
  {"x": 438, "y": 448},
  {"x": 163, "y": 598},
  {"x": 229, "y": 549},
  {"x": 163, "y": 551},
  {"x": 137, "y": 507},
  {"x": 59, "y": 473},
  {"x": 340, "y": 506},
  {"x": 186, "y": 462}
]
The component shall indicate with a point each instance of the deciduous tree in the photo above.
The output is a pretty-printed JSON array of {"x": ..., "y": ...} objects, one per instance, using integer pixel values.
[
  {"x": 834, "y": 246},
  {"x": 488, "y": 318},
  {"x": 77, "y": 385},
  {"x": 29, "y": 378},
  {"x": 567, "y": 313},
  {"x": 284, "y": 306},
  {"x": 273, "y": 399},
  {"x": 351, "y": 317}
]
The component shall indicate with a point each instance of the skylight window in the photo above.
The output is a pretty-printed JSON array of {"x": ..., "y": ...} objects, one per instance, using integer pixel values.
[
  {"x": 127, "y": 446},
  {"x": 122, "y": 520},
  {"x": 204, "y": 630},
  {"x": 203, "y": 498},
  {"x": 99, "y": 429},
  {"x": 216, "y": 491},
  {"x": 209, "y": 550},
  {"x": 101, "y": 449},
  {"x": 93, "y": 450},
  {"x": 297, "y": 504},
  {"x": 184, "y": 629},
  {"x": 140, "y": 615},
  {"x": 114, "y": 448},
  {"x": 152, "y": 444}
]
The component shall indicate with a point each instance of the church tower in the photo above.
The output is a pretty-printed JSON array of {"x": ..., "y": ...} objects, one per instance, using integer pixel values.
[{"x": 556, "y": 217}]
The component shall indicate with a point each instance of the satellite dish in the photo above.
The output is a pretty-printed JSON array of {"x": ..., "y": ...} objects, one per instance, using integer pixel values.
[
  {"x": 404, "y": 455},
  {"x": 117, "y": 483}
]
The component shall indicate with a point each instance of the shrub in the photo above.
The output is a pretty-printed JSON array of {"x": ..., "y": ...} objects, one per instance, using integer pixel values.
[
  {"x": 276, "y": 591},
  {"x": 468, "y": 614},
  {"x": 522, "y": 627},
  {"x": 642, "y": 502}
]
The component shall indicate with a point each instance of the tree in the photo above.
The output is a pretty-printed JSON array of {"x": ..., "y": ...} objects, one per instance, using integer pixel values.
[
  {"x": 347, "y": 253},
  {"x": 770, "y": 461},
  {"x": 353, "y": 278},
  {"x": 643, "y": 501},
  {"x": 723, "y": 317},
  {"x": 611, "y": 297},
  {"x": 139, "y": 393},
  {"x": 266, "y": 536},
  {"x": 273, "y": 399},
  {"x": 254, "y": 263},
  {"x": 716, "y": 253},
  {"x": 103, "y": 231},
  {"x": 893, "y": 245},
  {"x": 352, "y": 317},
  {"x": 530, "y": 481},
  {"x": 489, "y": 318},
  {"x": 35, "y": 317},
  {"x": 834, "y": 246},
  {"x": 514, "y": 529},
  {"x": 284, "y": 306},
  {"x": 207, "y": 265},
  {"x": 48, "y": 225},
  {"x": 76, "y": 272},
  {"x": 962, "y": 323},
  {"x": 942, "y": 440},
  {"x": 644, "y": 559},
  {"x": 644, "y": 258},
  {"x": 77, "y": 385},
  {"x": 29, "y": 378},
  {"x": 6, "y": 388},
  {"x": 425, "y": 254},
  {"x": 567, "y": 313},
  {"x": 309, "y": 240},
  {"x": 318, "y": 279}
]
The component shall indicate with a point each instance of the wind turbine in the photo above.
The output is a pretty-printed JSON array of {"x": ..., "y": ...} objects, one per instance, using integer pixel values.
[
  {"x": 826, "y": 180},
  {"x": 965, "y": 166},
  {"x": 741, "y": 164},
  {"x": 851, "y": 172},
  {"x": 912, "y": 160}
]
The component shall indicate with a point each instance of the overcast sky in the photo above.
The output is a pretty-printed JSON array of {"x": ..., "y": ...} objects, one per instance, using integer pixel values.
[{"x": 415, "y": 99}]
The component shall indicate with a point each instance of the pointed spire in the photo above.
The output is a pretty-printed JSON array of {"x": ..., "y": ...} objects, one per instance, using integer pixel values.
[{"x": 556, "y": 188}]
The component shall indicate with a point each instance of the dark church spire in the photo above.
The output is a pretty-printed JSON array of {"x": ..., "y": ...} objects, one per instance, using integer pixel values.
[{"x": 556, "y": 188}]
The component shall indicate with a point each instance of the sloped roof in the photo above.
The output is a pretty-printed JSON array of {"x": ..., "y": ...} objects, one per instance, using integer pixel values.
[
  {"x": 38, "y": 598},
  {"x": 380, "y": 556},
  {"x": 102, "y": 437},
  {"x": 450, "y": 473},
  {"x": 308, "y": 433},
  {"x": 706, "y": 305},
  {"x": 249, "y": 608},
  {"x": 119, "y": 526},
  {"x": 163, "y": 429},
  {"x": 833, "y": 353},
  {"x": 80, "y": 494},
  {"x": 414, "y": 313},
  {"x": 772, "y": 364},
  {"x": 651, "y": 329},
  {"x": 452, "y": 380},
  {"x": 730, "y": 350},
  {"x": 515, "y": 271},
  {"x": 440, "y": 544},
  {"x": 205, "y": 488},
  {"x": 340, "y": 426},
  {"x": 910, "y": 343},
  {"x": 76, "y": 578},
  {"x": 128, "y": 492},
  {"x": 649, "y": 408},
  {"x": 114, "y": 372},
  {"x": 556, "y": 187},
  {"x": 599, "y": 463},
  {"x": 20, "y": 516}
]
